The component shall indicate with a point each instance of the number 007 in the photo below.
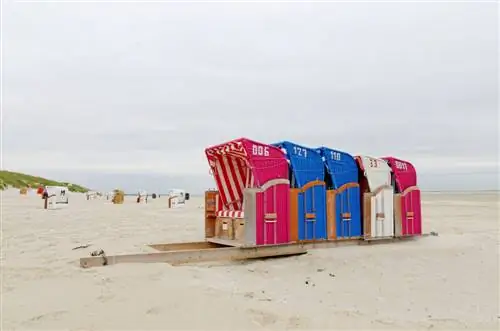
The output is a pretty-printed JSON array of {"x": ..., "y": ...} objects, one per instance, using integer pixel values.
[
  {"x": 401, "y": 165},
  {"x": 260, "y": 150}
]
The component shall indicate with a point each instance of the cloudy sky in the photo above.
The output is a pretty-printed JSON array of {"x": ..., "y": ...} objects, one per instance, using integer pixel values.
[{"x": 105, "y": 92}]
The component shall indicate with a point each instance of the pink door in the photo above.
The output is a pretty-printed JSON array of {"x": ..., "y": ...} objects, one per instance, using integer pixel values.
[
  {"x": 272, "y": 213},
  {"x": 411, "y": 212}
]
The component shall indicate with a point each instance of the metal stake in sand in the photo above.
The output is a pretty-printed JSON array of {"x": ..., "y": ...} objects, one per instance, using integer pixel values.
[{"x": 46, "y": 200}]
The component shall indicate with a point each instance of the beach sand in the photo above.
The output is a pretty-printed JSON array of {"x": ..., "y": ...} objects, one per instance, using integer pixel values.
[{"x": 444, "y": 282}]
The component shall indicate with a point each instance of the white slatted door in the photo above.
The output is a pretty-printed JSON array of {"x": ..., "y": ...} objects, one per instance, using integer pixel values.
[
  {"x": 382, "y": 220},
  {"x": 378, "y": 174}
]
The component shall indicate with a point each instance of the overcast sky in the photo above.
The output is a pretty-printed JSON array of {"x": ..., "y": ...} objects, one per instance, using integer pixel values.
[{"x": 144, "y": 88}]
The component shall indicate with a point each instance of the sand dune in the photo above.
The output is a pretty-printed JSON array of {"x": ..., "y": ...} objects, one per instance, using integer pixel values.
[{"x": 444, "y": 282}]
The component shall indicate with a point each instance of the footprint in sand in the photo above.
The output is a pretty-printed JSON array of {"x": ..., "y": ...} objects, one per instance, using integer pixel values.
[
  {"x": 294, "y": 322},
  {"x": 249, "y": 295},
  {"x": 153, "y": 311},
  {"x": 262, "y": 318},
  {"x": 52, "y": 315},
  {"x": 348, "y": 313},
  {"x": 7, "y": 288},
  {"x": 384, "y": 322},
  {"x": 105, "y": 297}
]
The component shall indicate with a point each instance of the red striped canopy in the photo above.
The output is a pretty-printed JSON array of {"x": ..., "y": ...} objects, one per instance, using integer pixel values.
[{"x": 243, "y": 163}]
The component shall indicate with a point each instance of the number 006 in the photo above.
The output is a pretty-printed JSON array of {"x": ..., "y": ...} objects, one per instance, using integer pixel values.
[{"x": 260, "y": 150}]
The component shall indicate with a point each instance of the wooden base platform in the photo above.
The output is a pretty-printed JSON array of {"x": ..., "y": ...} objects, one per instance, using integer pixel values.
[
  {"x": 220, "y": 249},
  {"x": 182, "y": 253},
  {"x": 225, "y": 242}
]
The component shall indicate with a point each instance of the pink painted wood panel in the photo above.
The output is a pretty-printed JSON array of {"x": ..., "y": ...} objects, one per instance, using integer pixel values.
[
  {"x": 411, "y": 212},
  {"x": 272, "y": 215},
  {"x": 405, "y": 177}
]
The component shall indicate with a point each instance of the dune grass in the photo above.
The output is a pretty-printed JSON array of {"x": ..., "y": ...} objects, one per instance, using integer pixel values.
[{"x": 19, "y": 180}]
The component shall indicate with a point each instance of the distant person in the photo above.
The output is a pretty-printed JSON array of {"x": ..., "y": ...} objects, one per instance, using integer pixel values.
[{"x": 147, "y": 195}]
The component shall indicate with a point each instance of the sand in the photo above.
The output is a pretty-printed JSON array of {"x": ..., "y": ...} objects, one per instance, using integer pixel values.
[{"x": 444, "y": 282}]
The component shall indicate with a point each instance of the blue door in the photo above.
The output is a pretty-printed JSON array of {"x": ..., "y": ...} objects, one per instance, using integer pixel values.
[
  {"x": 342, "y": 175},
  {"x": 307, "y": 173}
]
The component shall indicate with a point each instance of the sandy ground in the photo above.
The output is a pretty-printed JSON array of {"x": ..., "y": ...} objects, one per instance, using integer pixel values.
[{"x": 444, "y": 282}]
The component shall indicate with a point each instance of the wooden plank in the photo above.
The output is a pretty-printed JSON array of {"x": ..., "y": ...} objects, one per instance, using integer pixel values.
[
  {"x": 210, "y": 213},
  {"x": 184, "y": 246},
  {"x": 398, "y": 220},
  {"x": 192, "y": 256},
  {"x": 382, "y": 240},
  {"x": 330, "y": 243},
  {"x": 210, "y": 226},
  {"x": 359, "y": 241},
  {"x": 225, "y": 242},
  {"x": 294, "y": 216},
  {"x": 374, "y": 239},
  {"x": 224, "y": 228},
  {"x": 270, "y": 216},
  {"x": 331, "y": 219},
  {"x": 367, "y": 212},
  {"x": 181, "y": 253},
  {"x": 239, "y": 229}
]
